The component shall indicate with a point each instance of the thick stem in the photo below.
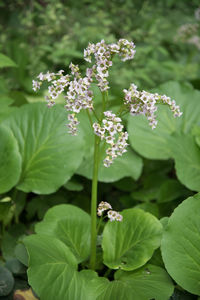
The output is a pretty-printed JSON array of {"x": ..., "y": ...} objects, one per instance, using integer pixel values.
[{"x": 94, "y": 204}]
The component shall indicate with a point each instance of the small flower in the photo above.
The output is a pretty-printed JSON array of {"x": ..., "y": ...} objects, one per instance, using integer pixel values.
[
  {"x": 114, "y": 216},
  {"x": 103, "y": 206}
]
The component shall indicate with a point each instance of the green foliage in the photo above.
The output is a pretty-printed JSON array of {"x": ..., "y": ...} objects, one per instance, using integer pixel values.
[
  {"x": 50, "y": 156},
  {"x": 128, "y": 165},
  {"x": 181, "y": 245},
  {"x": 5, "y": 61},
  {"x": 130, "y": 244},
  {"x": 172, "y": 135},
  {"x": 38, "y": 157},
  {"x": 6, "y": 281},
  {"x": 10, "y": 160},
  {"x": 71, "y": 225}
]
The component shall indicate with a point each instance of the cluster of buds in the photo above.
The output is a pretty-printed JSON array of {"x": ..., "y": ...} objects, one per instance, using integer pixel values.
[
  {"x": 103, "y": 54},
  {"x": 111, "y": 214},
  {"x": 111, "y": 132},
  {"x": 145, "y": 103}
]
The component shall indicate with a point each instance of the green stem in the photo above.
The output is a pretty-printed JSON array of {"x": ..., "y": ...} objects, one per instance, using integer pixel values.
[{"x": 94, "y": 204}]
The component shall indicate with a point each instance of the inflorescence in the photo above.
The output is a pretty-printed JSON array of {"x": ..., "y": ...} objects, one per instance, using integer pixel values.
[
  {"x": 111, "y": 214},
  {"x": 79, "y": 96}
]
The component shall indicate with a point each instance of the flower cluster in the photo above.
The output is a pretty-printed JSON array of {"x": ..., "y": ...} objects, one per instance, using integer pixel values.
[
  {"x": 111, "y": 132},
  {"x": 58, "y": 84},
  {"x": 103, "y": 54},
  {"x": 142, "y": 102},
  {"x": 103, "y": 206},
  {"x": 78, "y": 94},
  {"x": 111, "y": 214}
]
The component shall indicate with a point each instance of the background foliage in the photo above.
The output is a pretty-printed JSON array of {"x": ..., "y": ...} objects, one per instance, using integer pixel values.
[{"x": 41, "y": 166}]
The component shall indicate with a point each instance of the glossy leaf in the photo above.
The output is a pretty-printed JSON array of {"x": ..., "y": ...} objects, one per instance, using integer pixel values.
[
  {"x": 69, "y": 224},
  {"x": 130, "y": 244},
  {"x": 10, "y": 160},
  {"x": 181, "y": 245},
  {"x": 50, "y": 155}
]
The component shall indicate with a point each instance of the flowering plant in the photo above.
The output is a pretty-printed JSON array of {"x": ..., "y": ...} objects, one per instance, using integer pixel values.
[{"x": 108, "y": 129}]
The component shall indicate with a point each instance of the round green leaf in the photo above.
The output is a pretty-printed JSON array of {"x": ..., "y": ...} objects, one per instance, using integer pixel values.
[
  {"x": 10, "y": 160},
  {"x": 130, "y": 244},
  {"x": 50, "y": 155},
  {"x": 6, "y": 281},
  {"x": 181, "y": 245},
  {"x": 53, "y": 272},
  {"x": 69, "y": 224}
]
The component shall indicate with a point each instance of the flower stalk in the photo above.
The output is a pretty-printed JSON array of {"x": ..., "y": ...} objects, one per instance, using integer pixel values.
[{"x": 94, "y": 203}]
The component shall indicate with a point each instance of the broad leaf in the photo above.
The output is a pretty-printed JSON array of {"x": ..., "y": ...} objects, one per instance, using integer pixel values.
[
  {"x": 69, "y": 224},
  {"x": 130, "y": 244},
  {"x": 10, "y": 160},
  {"x": 50, "y": 155},
  {"x": 52, "y": 262},
  {"x": 172, "y": 135},
  {"x": 181, "y": 245},
  {"x": 149, "y": 282}
]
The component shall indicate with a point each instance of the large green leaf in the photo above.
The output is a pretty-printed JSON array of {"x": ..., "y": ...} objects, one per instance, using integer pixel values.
[
  {"x": 69, "y": 224},
  {"x": 172, "y": 137},
  {"x": 53, "y": 264},
  {"x": 10, "y": 160},
  {"x": 50, "y": 155},
  {"x": 181, "y": 245},
  {"x": 149, "y": 282},
  {"x": 130, "y": 244}
]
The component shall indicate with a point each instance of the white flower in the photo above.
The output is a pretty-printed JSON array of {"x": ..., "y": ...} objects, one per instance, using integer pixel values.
[{"x": 114, "y": 216}]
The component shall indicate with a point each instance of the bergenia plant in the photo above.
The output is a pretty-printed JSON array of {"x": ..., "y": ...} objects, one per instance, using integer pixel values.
[{"x": 107, "y": 127}]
